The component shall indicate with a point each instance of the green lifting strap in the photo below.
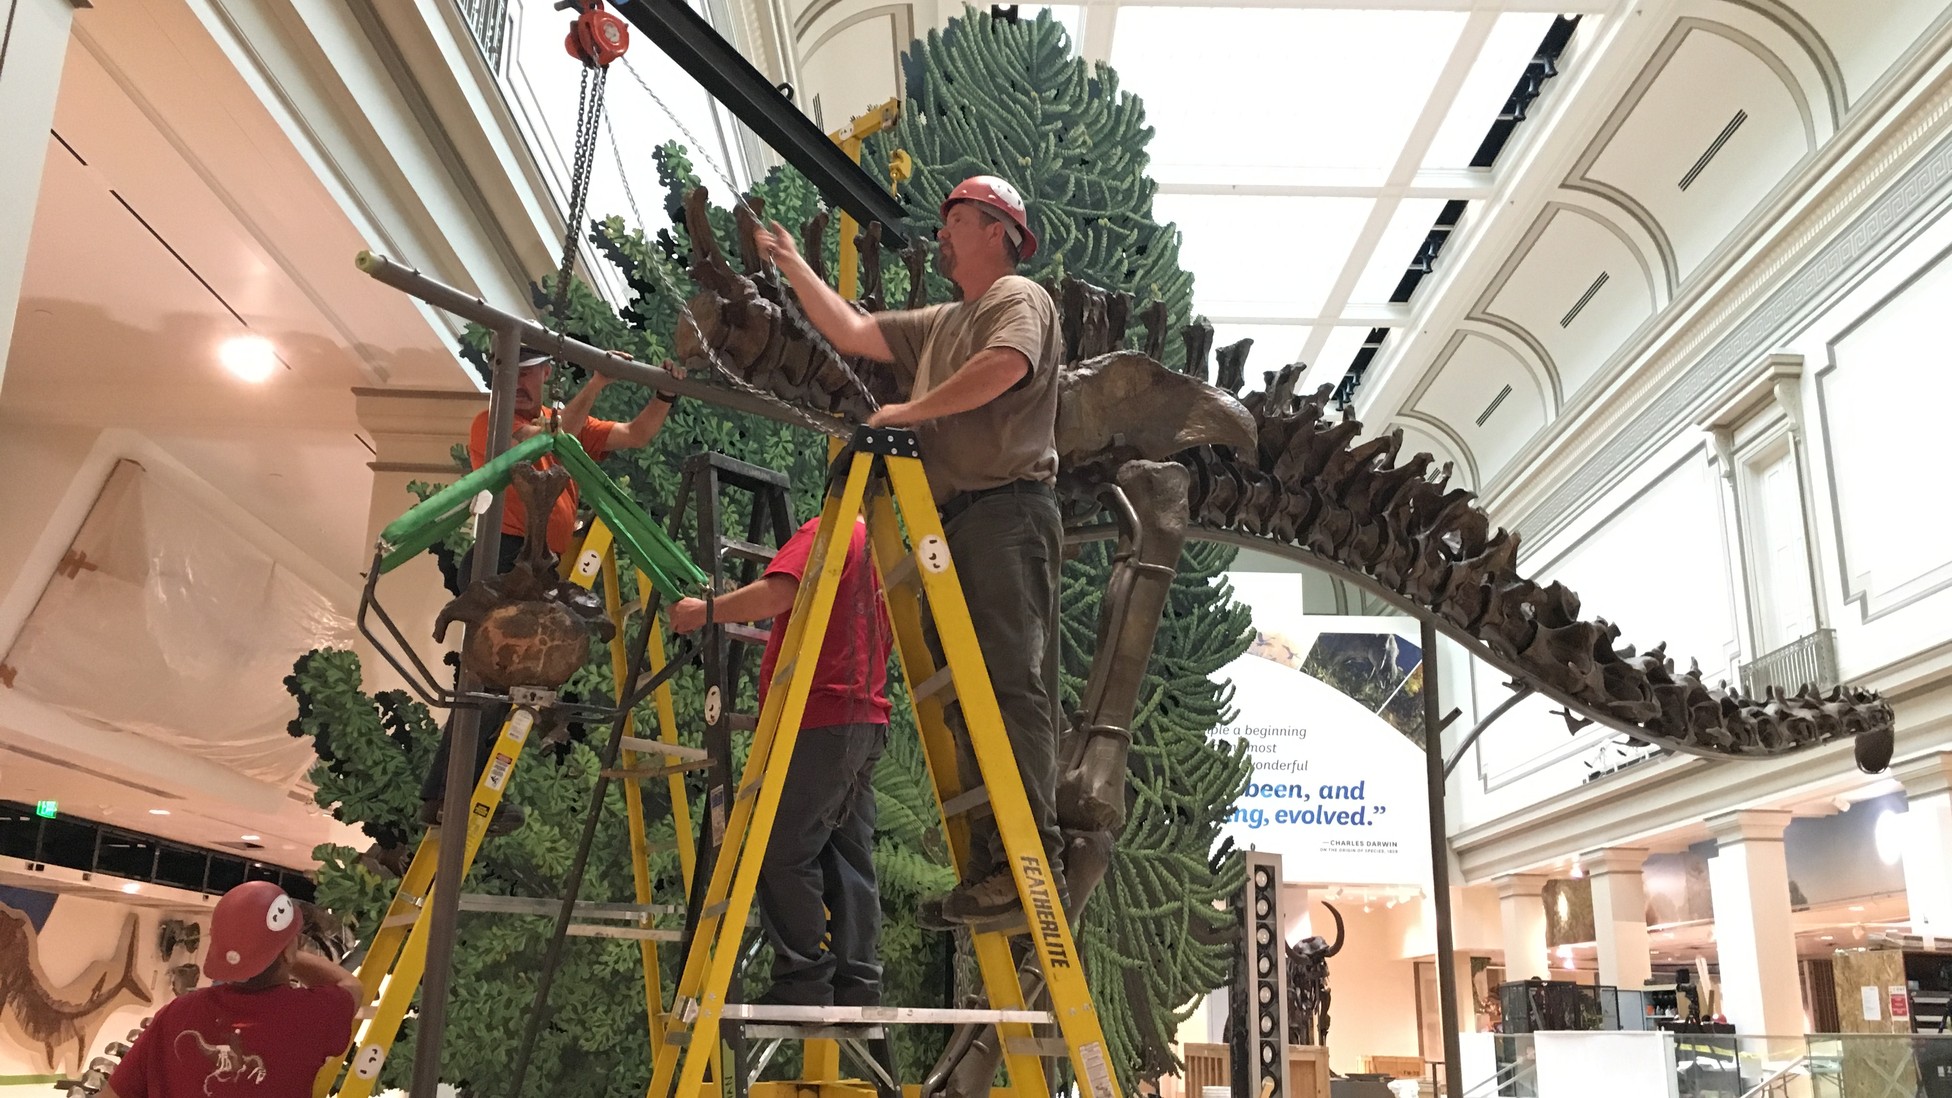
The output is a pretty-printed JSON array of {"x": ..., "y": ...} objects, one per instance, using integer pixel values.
[
  {"x": 442, "y": 506},
  {"x": 673, "y": 574}
]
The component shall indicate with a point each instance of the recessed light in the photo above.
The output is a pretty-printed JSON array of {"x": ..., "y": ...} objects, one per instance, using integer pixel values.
[
  {"x": 1827, "y": 938},
  {"x": 250, "y": 838},
  {"x": 1857, "y": 907},
  {"x": 132, "y": 887},
  {"x": 248, "y": 357},
  {"x": 159, "y": 812}
]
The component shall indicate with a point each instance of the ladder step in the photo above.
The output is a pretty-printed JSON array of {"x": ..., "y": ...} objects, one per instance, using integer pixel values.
[
  {"x": 587, "y": 909},
  {"x": 650, "y": 773},
  {"x": 712, "y": 911},
  {"x": 942, "y": 682},
  {"x": 746, "y": 550},
  {"x": 1051, "y": 1047},
  {"x": 742, "y": 722},
  {"x": 900, "y": 573},
  {"x": 748, "y": 634},
  {"x": 405, "y": 918},
  {"x": 963, "y": 802},
  {"x": 636, "y": 933},
  {"x": 924, "y": 1016},
  {"x": 644, "y": 746},
  {"x": 765, "y": 1031},
  {"x": 746, "y": 793}
]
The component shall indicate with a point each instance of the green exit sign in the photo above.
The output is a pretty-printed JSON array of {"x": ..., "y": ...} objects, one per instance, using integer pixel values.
[{"x": 48, "y": 809}]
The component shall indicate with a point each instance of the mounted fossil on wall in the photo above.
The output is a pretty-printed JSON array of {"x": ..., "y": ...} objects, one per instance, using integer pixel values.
[{"x": 62, "y": 1021}]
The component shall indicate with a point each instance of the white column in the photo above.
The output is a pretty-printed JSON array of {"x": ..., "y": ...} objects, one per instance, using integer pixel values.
[
  {"x": 1928, "y": 844},
  {"x": 1620, "y": 915},
  {"x": 412, "y": 432},
  {"x": 1749, "y": 880},
  {"x": 1521, "y": 906},
  {"x": 30, "y": 77}
]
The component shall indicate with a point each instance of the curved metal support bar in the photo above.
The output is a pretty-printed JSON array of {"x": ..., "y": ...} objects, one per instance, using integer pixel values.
[{"x": 1524, "y": 691}]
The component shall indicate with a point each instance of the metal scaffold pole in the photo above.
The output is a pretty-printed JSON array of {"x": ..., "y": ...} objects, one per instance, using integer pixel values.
[{"x": 1433, "y": 762}]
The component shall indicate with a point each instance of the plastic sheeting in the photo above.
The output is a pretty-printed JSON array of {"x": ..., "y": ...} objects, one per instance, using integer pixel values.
[{"x": 163, "y": 622}]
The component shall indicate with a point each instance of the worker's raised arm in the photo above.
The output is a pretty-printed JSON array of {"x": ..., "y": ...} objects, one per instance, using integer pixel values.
[{"x": 851, "y": 331}]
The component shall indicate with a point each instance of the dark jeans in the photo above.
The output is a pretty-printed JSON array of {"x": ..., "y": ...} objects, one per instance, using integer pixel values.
[
  {"x": 434, "y": 786},
  {"x": 1008, "y": 547},
  {"x": 817, "y": 882}
]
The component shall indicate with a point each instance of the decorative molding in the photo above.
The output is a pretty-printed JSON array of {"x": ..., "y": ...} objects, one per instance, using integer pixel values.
[
  {"x": 1828, "y": 68},
  {"x": 1612, "y": 860},
  {"x": 1749, "y": 825},
  {"x": 1857, "y": 588},
  {"x": 1793, "y": 278},
  {"x": 1925, "y": 776},
  {"x": 1521, "y": 886}
]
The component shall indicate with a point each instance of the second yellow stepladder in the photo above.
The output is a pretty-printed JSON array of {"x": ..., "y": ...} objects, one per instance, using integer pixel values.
[{"x": 879, "y": 477}]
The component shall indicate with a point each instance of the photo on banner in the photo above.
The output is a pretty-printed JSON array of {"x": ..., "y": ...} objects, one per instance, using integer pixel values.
[{"x": 1330, "y": 708}]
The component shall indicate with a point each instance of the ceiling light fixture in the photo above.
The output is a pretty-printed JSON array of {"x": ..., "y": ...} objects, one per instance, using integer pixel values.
[
  {"x": 250, "y": 838},
  {"x": 249, "y": 357},
  {"x": 159, "y": 812},
  {"x": 132, "y": 888},
  {"x": 1857, "y": 907}
]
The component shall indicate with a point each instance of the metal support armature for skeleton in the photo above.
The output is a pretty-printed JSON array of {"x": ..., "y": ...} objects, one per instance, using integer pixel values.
[{"x": 1172, "y": 456}]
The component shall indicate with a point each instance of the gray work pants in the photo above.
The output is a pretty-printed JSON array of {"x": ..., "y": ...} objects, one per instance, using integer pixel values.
[
  {"x": 817, "y": 883},
  {"x": 1008, "y": 547}
]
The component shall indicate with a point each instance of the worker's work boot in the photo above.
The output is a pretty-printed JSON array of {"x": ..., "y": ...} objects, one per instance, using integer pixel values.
[{"x": 982, "y": 901}]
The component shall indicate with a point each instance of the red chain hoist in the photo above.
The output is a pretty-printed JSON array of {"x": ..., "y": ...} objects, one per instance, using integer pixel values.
[{"x": 598, "y": 37}]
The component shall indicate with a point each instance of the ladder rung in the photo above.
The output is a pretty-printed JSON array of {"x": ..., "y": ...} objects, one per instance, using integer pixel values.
[
  {"x": 942, "y": 682},
  {"x": 712, "y": 911},
  {"x": 765, "y": 1031},
  {"x": 1036, "y": 1046},
  {"x": 900, "y": 572},
  {"x": 746, "y": 792},
  {"x": 929, "y": 1016},
  {"x": 635, "y": 933},
  {"x": 654, "y": 772},
  {"x": 748, "y": 634},
  {"x": 587, "y": 909},
  {"x": 405, "y": 918},
  {"x": 746, "y": 550},
  {"x": 644, "y": 746},
  {"x": 963, "y": 802},
  {"x": 743, "y": 722}
]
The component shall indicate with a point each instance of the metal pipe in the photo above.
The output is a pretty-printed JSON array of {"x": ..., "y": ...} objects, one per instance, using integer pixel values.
[
  {"x": 447, "y": 298},
  {"x": 1433, "y": 759},
  {"x": 465, "y": 737},
  {"x": 1524, "y": 691}
]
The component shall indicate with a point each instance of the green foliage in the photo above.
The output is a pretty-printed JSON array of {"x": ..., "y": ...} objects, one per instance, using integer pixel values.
[{"x": 989, "y": 97}]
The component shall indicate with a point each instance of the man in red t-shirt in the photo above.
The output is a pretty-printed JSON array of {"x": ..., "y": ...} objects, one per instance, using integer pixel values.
[
  {"x": 273, "y": 1019},
  {"x": 599, "y": 437},
  {"x": 817, "y": 881}
]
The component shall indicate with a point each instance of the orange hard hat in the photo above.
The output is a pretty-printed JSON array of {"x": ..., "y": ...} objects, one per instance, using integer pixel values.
[
  {"x": 250, "y": 926},
  {"x": 1001, "y": 196}
]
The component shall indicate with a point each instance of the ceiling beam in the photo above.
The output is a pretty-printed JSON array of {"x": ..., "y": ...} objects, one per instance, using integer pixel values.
[
  {"x": 728, "y": 77},
  {"x": 1378, "y": 315},
  {"x": 1493, "y": 7},
  {"x": 1450, "y": 80},
  {"x": 1096, "y": 25},
  {"x": 1470, "y": 184}
]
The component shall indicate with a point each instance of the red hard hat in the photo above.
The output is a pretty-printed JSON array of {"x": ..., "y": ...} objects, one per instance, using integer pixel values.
[
  {"x": 251, "y": 925},
  {"x": 1001, "y": 196}
]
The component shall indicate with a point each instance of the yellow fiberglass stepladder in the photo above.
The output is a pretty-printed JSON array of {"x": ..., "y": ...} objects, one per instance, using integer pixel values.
[
  {"x": 391, "y": 972},
  {"x": 878, "y": 476}
]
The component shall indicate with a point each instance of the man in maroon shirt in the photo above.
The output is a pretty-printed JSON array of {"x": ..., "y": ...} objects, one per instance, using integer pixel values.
[
  {"x": 817, "y": 883},
  {"x": 272, "y": 1020}
]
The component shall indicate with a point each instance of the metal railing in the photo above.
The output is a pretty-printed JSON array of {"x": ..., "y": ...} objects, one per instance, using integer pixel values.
[
  {"x": 1777, "y": 1085},
  {"x": 490, "y": 23},
  {"x": 1809, "y": 660}
]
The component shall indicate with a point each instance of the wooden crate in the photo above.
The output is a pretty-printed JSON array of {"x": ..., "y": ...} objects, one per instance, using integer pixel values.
[
  {"x": 1206, "y": 1066},
  {"x": 1396, "y": 1067}
]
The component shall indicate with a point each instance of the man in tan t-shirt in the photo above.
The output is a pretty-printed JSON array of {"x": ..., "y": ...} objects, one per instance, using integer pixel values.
[{"x": 981, "y": 374}]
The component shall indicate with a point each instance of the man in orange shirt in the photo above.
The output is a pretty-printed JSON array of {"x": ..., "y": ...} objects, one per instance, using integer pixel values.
[{"x": 599, "y": 437}]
